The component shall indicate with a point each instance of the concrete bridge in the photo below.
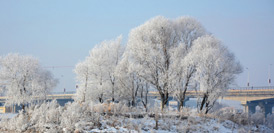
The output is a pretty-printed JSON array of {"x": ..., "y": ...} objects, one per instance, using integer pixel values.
[
  {"x": 265, "y": 104},
  {"x": 252, "y": 97}
]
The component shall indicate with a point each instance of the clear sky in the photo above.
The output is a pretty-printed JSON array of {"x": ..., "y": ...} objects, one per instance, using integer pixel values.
[{"x": 61, "y": 32}]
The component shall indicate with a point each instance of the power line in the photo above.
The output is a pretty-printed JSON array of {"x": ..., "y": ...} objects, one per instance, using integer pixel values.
[{"x": 58, "y": 67}]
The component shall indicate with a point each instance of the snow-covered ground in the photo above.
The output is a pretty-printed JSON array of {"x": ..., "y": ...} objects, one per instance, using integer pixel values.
[
  {"x": 7, "y": 115},
  {"x": 192, "y": 124},
  {"x": 75, "y": 117}
]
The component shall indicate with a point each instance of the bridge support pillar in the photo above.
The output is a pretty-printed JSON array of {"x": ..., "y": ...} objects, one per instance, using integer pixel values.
[
  {"x": 265, "y": 106},
  {"x": 250, "y": 109}
]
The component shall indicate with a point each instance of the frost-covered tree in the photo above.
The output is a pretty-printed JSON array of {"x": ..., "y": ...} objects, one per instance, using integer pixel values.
[
  {"x": 91, "y": 76},
  {"x": 157, "y": 50},
  {"x": 24, "y": 79},
  {"x": 99, "y": 76},
  {"x": 149, "y": 47},
  {"x": 96, "y": 74},
  {"x": 129, "y": 84},
  {"x": 216, "y": 70},
  {"x": 187, "y": 30},
  {"x": 44, "y": 83},
  {"x": 115, "y": 51},
  {"x": 82, "y": 71}
]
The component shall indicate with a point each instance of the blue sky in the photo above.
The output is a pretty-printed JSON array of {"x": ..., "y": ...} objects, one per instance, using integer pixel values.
[{"x": 61, "y": 32}]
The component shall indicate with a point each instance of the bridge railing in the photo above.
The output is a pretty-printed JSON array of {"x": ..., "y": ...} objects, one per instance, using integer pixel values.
[
  {"x": 67, "y": 92},
  {"x": 253, "y": 88}
]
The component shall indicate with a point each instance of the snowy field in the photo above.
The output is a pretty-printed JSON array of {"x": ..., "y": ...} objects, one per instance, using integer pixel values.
[{"x": 192, "y": 124}]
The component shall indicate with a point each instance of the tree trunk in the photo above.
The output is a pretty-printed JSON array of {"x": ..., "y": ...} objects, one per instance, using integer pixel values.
[
  {"x": 203, "y": 102},
  {"x": 101, "y": 98},
  {"x": 182, "y": 98},
  {"x": 208, "y": 106},
  {"x": 164, "y": 100},
  {"x": 144, "y": 99},
  {"x": 133, "y": 96},
  {"x": 113, "y": 92},
  {"x": 86, "y": 87},
  {"x": 163, "y": 104},
  {"x": 206, "y": 110},
  {"x": 23, "y": 107},
  {"x": 133, "y": 102},
  {"x": 145, "y": 107},
  {"x": 180, "y": 106}
]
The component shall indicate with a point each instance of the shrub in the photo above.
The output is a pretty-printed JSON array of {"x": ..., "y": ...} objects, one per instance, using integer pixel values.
[
  {"x": 18, "y": 123},
  {"x": 46, "y": 117},
  {"x": 232, "y": 115},
  {"x": 257, "y": 118},
  {"x": 270, "y": 121},
  {"x": 40, "y": 118},
  {"x": 73, "y": 113}
]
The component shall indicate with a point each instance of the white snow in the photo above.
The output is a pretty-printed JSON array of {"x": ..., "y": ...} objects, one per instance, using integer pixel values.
[{"x": 7, "y": 115}]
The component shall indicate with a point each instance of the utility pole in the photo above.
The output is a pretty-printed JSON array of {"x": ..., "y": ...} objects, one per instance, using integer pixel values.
[
  {"x": 269, "y": 78},
  {"x": 247, "y": 77},
  {"x": 246, "y": 107}
]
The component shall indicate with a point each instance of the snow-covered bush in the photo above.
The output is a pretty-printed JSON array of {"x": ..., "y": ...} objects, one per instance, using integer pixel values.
[
  {"x": 39, "y": 118},
  {"x": 46, "y": 117},
  {"x": 231, "y": 114},
  {"x": 168, "y": 123},
  {"x": 241, "y": 118},
  {"x": 73, "y": 113},
  {"x": 19, "y": 123},
  {"x": 100, "y": 108},
  {"x": 79, "y": 117},
  {"x": 270, "y": 121},
  {"x": 147, "y": 123},
  {"x": 119, "y": 108},
  {"x": 257, "y": 118},
  {"x": 188, "y": 112}
]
